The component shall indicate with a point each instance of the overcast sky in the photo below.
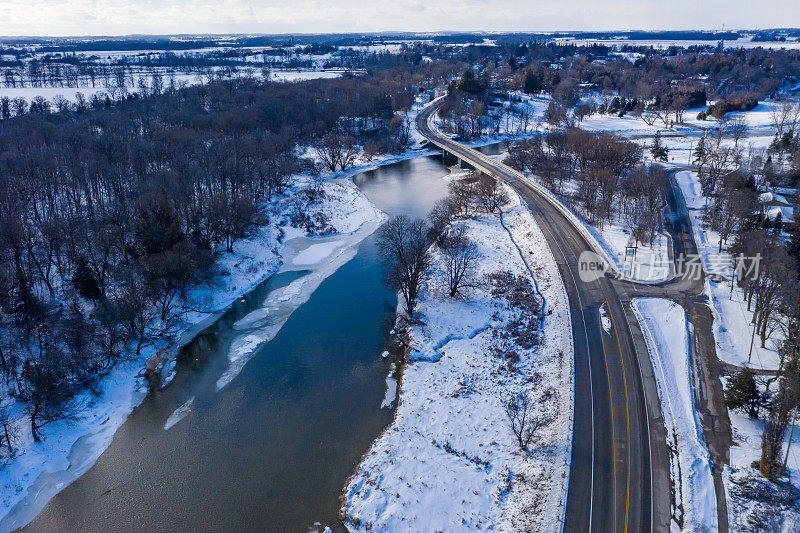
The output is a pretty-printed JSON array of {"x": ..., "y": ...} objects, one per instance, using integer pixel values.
[{"x": 119, "y": 17}]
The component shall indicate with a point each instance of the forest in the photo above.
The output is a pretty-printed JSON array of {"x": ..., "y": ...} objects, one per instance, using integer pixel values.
[{"x": 112, "y": 210}]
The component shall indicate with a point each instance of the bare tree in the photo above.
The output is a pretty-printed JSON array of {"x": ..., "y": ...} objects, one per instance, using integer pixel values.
[
  {"x": 525, "y": 116},
  {"x": 460, "y": 257},
  {"x": 47, "y": 391},
  {"x": 464, "y": 194},
  {"x": 774, "y": 429},
  {"x": 525, "y": 423},
  {"x": 440, "y": 216},
  {"x": 7, "y": 434},
  {"x": 737, "y": 130},
  {"x": 785, "y": 116},
  {"x": 491, "y": 195},
  {"x": 735, "y": 204},
  {"x": 718, "y": 161},
  {"x": 403, "y": 244},
  {"x": 680, "y": 103},
  {"x": 337, "y": 152}
]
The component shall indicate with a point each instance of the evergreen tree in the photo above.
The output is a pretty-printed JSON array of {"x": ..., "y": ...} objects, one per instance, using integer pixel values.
[
  {"x": 84, "y": 281},
  {"x": 777, "y": 225},
  {"x": 472, "y": 84},
  {"x": 742, "y": 393},
  {"x": 659, "y": 152},
  {"x": 769, "y": 172},
  {"x": 700, "y": 151},
  {"x": 794, "y": 245},
  {"x": 533, "y": 83}
]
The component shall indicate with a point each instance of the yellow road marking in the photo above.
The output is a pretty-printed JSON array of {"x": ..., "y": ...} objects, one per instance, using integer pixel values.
[
  {"x": 627, "y": 417},
  {"x": 611, "y": 402},
  {"x": 608, "y": 376}
]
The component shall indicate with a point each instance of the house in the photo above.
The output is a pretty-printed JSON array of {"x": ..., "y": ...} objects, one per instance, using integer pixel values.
[{"x": 776, "y": 207}]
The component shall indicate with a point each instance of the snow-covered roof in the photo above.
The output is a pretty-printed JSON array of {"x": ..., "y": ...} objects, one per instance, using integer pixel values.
[
  {"x": 786, "y": 191},
  {"x": 766, "y": 197},
  {"x": 787, "y": 213}
]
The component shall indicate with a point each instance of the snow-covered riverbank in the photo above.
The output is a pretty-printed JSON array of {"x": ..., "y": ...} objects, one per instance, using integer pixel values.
[
  {"x": 450, "y": 460},
  {"x": 68, "y": 449}
]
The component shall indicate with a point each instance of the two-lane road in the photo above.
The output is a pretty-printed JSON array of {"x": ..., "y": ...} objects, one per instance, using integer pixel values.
[{"x": 619, "y": 476}]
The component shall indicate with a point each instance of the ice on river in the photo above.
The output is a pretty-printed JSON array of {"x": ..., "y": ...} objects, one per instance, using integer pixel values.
[
  {"x": 179, "y": 413},
  {"x": 321, "y": 259},
  {"x": 391, "y": 389},
  {"x": 316, "y": 253}
]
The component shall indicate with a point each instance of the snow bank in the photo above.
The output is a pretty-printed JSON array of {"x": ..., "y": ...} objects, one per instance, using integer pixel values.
[
  {"x": 665, "y": 330},
  {"x": 41, "y": 470},
  {"x": 450, "y": 461}
]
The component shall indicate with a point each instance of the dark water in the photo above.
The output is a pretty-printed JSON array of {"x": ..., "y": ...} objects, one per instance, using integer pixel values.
[{"x": 272, "y": 450}]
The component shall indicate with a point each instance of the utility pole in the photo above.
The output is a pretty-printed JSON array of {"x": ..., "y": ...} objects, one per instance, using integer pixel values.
[
  {"x": 752, "y": 339},
  {"x": 789, "y": 444}
]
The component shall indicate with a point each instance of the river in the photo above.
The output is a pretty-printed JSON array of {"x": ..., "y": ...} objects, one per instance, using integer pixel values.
[{"x": 272, "y": 450}]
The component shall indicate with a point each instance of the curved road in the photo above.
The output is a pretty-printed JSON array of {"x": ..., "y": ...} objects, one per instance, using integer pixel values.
[{"x": 619, "y": 477}]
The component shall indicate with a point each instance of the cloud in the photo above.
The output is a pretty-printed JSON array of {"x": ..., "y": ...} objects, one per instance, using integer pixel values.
[{"x": 117, "y": 17}]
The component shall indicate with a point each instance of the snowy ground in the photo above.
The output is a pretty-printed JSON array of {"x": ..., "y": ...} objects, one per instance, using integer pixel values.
[
  {"x": 758, "y": 120},
  {"x": 627, "y": 125},
  {"x": 732, "y": 328},
  {"x": 450, "y": 461},
  {"x": 647, "y": 264},
  {"x": 753, "y": 503},
  {"x": 665, "y": 329},
  {"x": 70, "y": 93},
  {"x": 40, "y": 471},
  {"x": 751, "y": 498}
]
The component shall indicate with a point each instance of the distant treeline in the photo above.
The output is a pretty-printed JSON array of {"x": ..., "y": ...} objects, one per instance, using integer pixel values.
[
  {"x": 661, "y": 35},
  {"x": 18, "y": 45},
  {"x": 193, "y": 43}
]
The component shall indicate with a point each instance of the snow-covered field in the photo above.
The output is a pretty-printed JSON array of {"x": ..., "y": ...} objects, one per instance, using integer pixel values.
[
  {"x": 70, "y": 93},
  {"x": 759, "y": 120},
  {"x": 41, "y": 470},
  {"x": 626, "y": 125},
  {"x": 449, "y": 461},
  {"x": 664, "y": 326}
]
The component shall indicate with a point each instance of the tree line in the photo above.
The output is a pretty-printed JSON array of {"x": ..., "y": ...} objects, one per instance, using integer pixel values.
[{"x": 112, "y": 213}]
